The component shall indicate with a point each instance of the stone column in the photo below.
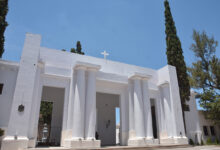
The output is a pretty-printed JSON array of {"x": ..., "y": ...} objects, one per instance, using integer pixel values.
[
  {"x": 79, "y": 104},
  {"x": 131, "y": 110},
  {"x": 167, "y": 109},
  {"x": 70, "y": 103},
  {"x": 90, "y": 115},
  {"x": 138, "y": 109},
  {"x": 161, "y": 119},
  {"x": 147, "y": 110}
]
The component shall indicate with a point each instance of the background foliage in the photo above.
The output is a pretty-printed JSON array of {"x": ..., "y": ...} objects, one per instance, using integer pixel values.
[{"x": 204, "y": 74}]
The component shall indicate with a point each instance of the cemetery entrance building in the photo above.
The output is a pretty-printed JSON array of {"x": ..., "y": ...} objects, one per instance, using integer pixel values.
[{"x": 84, "y": 92}]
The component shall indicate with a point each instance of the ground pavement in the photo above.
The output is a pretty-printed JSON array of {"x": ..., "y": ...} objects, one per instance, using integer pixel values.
[{"x": 211, "y": 147}]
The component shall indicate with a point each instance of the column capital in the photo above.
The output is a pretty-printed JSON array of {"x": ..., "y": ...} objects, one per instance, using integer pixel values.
[
  {"x": 87, "y": 66},
  {"x": 163, "y": 83},
  {"x": 140, "y": 76},
  {"x": 78, "y": 67},
  {"x": 92, "y": 69}
]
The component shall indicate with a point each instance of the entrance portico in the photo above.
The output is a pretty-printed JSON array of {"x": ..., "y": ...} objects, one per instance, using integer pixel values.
[{"x": 82, "y": 77}]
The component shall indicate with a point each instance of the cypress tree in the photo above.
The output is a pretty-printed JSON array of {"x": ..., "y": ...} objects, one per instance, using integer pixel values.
[
  {"x": 175, "y": 57},
  {"x": 79, "y": 48},
  {"x": 3, "y": 23}
]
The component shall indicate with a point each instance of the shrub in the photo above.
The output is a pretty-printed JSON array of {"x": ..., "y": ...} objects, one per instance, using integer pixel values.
[
  {"x": 209, "y": 141},
  {"x": 202, "y": 143},
  {"x": 1, "y": 132},
  {"x": 191, "y": 142},
  {"x": 216, "y": 141}
]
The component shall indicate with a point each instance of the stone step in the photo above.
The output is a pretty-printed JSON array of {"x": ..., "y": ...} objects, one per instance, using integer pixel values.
[{"x": 115, "y": 148}]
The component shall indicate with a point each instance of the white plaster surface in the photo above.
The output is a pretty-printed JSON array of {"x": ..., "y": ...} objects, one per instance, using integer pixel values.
[{"x": 195, "y": 120}]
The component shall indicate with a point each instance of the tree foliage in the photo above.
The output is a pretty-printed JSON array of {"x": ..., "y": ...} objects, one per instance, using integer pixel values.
[
  {"x": 3, "y": 23},
  {"x": 46, "y": 111},
  {"x": 1, "y": 132},
  {"x": 205, "y": 74},
  {"x": 77, "y": 50},
  {"x": 175, "y": 55}
]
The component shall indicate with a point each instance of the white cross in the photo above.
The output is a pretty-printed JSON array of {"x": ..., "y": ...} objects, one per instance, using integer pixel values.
[{"x": 105, "y": 54}]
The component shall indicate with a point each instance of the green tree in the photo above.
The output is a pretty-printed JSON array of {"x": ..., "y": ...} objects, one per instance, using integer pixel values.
[
  {"x": 204, "y": 74},
  {"x": 46, "y": 111},
  {"x": 78, "y": 49},
  {"x": 3, "y": 23},
  {"x": 175, "y": 57},
  {"x": 73, "y": 50}
]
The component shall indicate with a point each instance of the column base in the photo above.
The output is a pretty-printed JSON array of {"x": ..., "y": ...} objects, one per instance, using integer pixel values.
[
  {"x": 152, "y": 141},
  {"x": 72, "y": 143},
  {"x": 167, "y": 141},
  {"x": 66, "y": 134},
  {"x": 32, "y": 143},
  {"x": 181, "y": 140},
  {"x": 143, "y": 142},
  {"x": 10, "y": 143},
  {"x": 174, "y": 141}
]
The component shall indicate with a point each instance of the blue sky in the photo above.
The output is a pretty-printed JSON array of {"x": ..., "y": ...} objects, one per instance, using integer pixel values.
[{"x": 132, "y": 31}]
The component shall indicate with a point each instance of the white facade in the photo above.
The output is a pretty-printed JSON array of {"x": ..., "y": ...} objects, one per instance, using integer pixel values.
[
  {"x": 205, "y": 123},
  {"x": 196, "y": 122},
  {"x": 82, "y": 77}
]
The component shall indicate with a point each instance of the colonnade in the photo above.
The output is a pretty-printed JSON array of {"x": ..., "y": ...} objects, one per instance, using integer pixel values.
[
  {"x": 140, "y": 118},
  {"x": 83, "y": 118}
]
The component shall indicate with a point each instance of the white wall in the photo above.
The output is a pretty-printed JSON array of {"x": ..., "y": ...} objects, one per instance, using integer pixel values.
[
  {"x": 192, "y": 119},
  {"x": 195, "y": 120},
  {"x": 8, "y": 76},
  {"x": 67, "y": 61}
]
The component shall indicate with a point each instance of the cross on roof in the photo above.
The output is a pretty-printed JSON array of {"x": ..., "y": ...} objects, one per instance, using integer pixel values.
[{"x": 105, "y": 54}]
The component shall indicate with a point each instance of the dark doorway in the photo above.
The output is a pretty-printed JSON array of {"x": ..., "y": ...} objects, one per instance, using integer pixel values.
[
  {"x": 51, "y": 116},
  {"x": 154, "y": 119},
  {"x": 154, "y": 122},
  {"x": 44, "y": 123},
  {"x": 106, "y": 105}
]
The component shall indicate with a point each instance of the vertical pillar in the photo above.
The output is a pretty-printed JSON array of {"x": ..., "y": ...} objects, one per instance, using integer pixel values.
[
  {"x": 161, "y": 115},
  {"x": 167, "y": 109},
  {"x": 23, "y": 95},
  {"x": 90, "y": 116},
  {"x": 79, "y": 104},
  {"x": 32, "y": 129},
  {"x": 147, "y": 110},
  {"x": 138, "y": 109},
  {"x": 131, "y": 110},
  {"x": 70, "y": 103}
]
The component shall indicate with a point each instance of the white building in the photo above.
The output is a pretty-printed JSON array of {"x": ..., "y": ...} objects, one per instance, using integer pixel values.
[
  {"x": 198, "y": 128},
  {"x": 85, "y": 91}
]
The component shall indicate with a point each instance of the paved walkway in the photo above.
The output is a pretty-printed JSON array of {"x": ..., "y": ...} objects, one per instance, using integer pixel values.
[
  {"x": 192, "y": 148},
  {"x": 186, "y": 147}
]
